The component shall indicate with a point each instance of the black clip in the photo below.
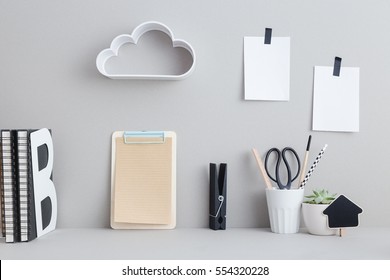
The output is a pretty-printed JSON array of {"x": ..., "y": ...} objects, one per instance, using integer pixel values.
[
  {"x": 337, "y": 66},
  {"x": 268, "y": 36},
  {"x": 217, "y": 215}
]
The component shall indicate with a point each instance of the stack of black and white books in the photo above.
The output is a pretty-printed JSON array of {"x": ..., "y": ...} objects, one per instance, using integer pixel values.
[{"x": 28, "y": 196}]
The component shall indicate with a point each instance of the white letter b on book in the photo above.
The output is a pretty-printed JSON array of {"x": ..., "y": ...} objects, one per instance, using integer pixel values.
[{"x": 44, "y": 192}]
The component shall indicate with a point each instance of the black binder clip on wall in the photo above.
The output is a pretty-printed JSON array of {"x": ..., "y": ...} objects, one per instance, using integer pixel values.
[{"x": 217, "y": 215}]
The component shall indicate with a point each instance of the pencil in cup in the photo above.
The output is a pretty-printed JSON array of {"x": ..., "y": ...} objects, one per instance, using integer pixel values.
[
  {"x": 262, "y": 170},
  {"x": 312, "y": 168},
  {"x": 303, "y": 171}
]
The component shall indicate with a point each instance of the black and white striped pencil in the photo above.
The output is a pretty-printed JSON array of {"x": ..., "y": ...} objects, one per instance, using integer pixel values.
[{"x": 314, "y": 165}]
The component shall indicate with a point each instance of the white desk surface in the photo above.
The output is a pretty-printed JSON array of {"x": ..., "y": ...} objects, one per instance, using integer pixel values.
[{"x": 201, "y": 243}]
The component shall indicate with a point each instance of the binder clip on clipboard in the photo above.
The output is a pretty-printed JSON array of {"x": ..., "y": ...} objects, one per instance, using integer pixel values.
[{"x": 218, "y": 186}]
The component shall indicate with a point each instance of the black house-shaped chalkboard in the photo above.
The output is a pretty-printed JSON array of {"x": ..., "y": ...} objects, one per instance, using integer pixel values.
[{"x": 342, "y": 212}]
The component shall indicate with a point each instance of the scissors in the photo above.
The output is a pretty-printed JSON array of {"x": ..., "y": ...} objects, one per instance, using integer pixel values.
[{"x": 281, "y": 155}]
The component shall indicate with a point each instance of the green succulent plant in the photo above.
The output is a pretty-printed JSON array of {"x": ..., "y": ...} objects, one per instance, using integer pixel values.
[{"x": 320, "y": 197}]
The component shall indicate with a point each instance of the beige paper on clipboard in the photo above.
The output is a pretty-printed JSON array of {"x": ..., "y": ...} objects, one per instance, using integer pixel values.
[{"x": 143, "y": 180}]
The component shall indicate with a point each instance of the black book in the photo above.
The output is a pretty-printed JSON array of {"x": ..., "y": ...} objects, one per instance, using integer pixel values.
[{"x": 7, "y": 185}]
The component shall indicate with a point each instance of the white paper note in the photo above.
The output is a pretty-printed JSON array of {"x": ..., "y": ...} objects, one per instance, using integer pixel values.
[
  {"x": 267, "y": 69},
  {"x": 336, "y": 99}
]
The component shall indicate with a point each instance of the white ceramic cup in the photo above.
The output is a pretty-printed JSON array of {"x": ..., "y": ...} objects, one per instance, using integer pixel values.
[{"x": 284, "y": 209}]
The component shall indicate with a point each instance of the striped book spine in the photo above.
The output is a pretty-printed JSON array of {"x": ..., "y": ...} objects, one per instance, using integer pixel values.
[
  {"x": 8, "y": 185},
  {"x": 23, "y": 183}
]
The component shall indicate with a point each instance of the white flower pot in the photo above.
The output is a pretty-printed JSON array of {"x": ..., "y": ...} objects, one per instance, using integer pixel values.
[{"x": 316, "y": 222}]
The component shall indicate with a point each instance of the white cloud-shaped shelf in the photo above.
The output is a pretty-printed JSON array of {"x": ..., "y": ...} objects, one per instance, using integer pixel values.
[{"x": 137, "y": 33}]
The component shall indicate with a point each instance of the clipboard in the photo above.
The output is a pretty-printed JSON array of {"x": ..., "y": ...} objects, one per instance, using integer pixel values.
[{"x": 143, "y": 180}]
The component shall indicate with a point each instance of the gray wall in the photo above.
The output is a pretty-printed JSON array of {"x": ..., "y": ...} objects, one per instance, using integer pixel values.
[{"x": 48, "y": 78}]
